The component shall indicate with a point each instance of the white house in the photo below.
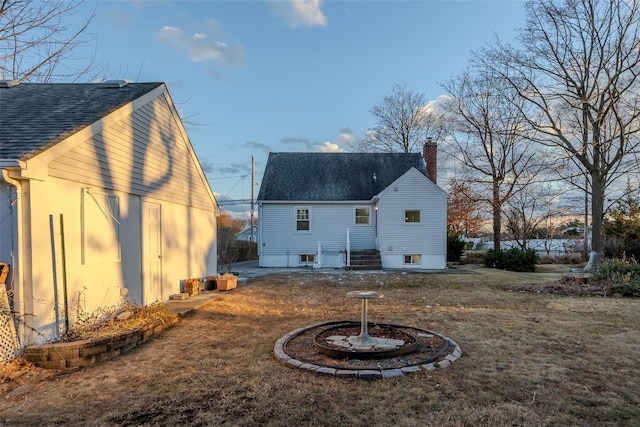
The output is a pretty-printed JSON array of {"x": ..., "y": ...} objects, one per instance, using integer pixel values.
[
  {"x": 102, "y": 198},
  {"x": 247, "y": 234},
  {"x": 326, "y": 209}
]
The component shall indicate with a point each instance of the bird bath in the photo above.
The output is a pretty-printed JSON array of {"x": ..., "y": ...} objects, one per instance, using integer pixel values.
[{"x": 341, "y": 342}]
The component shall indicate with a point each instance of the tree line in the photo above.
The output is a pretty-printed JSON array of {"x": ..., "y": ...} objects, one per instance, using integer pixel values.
[
  {"x": 521, "y": 126},
  {"x": 529, "y": 121}
]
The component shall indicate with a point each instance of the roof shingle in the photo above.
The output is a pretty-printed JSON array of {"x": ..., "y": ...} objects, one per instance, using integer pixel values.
[
  {"x": 333, "y": 176},
  {"x": 34, "y": 116}
]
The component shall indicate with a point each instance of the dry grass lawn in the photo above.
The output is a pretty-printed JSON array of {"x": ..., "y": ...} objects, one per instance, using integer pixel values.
[{"x": 528, "y": 360}]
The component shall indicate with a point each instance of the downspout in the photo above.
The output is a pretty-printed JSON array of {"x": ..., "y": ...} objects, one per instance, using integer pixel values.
[
  {"x": 259, "y": 239},
  {"x": 348, "y": 249},
  {"x": 20, "y": 306}
]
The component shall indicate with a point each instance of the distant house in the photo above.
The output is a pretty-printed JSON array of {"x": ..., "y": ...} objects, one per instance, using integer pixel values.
[
  {"x": 248, "y": 235},
  {"x": 108, "y": 171},
  {"x": 328, "y": 209}
]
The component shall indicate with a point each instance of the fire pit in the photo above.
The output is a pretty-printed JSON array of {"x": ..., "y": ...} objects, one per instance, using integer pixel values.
[{"x": 365, "y": 350}]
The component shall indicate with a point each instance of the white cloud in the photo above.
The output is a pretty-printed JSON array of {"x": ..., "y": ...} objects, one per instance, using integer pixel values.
[
  {"x": 329, "y": 147},
  {"x": 344, "y": 139},
  {"x": 301, "y": 13},
  {"x": 211, "y": 45}
]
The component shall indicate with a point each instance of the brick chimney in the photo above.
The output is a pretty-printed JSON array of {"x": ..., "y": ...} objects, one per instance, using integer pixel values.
[{"x": 430, "y": 155}]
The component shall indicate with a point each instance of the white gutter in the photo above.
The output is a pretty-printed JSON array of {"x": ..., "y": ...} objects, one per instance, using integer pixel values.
[
  {"x": 9, "y": 164},
  {"x": 20, "y": 258},
  {"x": 316, "y": 202}
]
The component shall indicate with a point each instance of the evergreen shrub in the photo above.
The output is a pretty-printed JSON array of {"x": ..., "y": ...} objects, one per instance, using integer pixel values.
[{"x": 513, "y": 259}]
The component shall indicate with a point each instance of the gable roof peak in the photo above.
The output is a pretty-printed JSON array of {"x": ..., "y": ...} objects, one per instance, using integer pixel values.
[{"x": 333, "y": 176}]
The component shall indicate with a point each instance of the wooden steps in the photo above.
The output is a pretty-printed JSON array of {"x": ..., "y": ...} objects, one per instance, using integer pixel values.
[{"x": 365, "y": 260}]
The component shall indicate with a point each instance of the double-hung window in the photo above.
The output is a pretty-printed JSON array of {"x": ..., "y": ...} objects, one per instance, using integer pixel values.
[
  {"x": 412, "y": 216},
  {"x": 363, "y": 216},
  {"x": 303, "y": 219}
]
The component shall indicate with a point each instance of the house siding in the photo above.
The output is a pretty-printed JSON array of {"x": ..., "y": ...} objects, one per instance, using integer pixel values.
[
  {"x": 413, "y": 191},
  {"x": 282, "y": 245},
  {"x": 143, "y": 157},
  {"x": 188, "y": 238},
  {"x": 158, "y": 164}
]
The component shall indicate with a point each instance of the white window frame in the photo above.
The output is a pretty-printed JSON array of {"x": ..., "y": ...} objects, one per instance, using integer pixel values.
[
  {"x": 355, "y": 216},
  {"x": 295, "y": 219},
  {"x": 412, "y": 222},
  {"x": 414, "y": 259}
]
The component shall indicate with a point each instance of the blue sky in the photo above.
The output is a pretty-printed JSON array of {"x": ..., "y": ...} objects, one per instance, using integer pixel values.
[{"x": 250, "y": 77}]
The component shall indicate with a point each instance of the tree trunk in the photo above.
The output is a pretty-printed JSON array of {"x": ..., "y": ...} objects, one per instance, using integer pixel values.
[
  {"x": 497, "y": 217},
  {"x": 597, "y": 211}
]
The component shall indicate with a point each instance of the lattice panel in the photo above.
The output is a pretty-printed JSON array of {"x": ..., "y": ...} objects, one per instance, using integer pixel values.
[{"x": 8, "y": 338}]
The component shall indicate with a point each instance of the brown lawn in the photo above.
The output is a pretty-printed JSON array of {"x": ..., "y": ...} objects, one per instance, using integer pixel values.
[{"x": 528, "y": 360}]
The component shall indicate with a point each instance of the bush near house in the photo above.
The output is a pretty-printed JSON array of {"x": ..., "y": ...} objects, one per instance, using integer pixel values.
[
  {"x": 512, "y": 259},
  {"x": 455, "y": 246}
]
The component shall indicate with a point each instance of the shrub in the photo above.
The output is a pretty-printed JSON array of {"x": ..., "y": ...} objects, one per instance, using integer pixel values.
[
  {"x": 621, "y": 275},
  {"x": 474, "y": 257},
  {"x": 570, "y": 258},
  {"x": 455, "y": 247},
  {"x": 512, "y": 259}
]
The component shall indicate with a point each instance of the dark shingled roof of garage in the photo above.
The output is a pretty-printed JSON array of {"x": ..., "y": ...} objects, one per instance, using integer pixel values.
[{"x": 36, "y": 116}]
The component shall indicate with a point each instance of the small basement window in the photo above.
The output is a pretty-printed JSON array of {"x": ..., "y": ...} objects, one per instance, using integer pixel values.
[
  {"x": 412, "y": 216},
  {"x": 307, "y": 258},
  {"x": 412, "y": 259}
]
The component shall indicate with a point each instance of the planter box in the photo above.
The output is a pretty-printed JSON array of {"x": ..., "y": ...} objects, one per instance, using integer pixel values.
[
  {"x": 226, "y": 283},
  {"x": 192, "y": 287}
]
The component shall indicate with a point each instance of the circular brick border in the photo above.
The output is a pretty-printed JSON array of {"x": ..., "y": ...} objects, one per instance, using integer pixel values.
[{"x": 364, "y": 374}]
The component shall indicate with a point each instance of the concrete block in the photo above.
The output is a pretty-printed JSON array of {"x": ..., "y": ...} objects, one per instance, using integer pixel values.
[
  {"x": 53, "y": 364},
  {"x": 107, "y": 356},
  {"x": 81, "y": 362},
  {"x": 367, "y": 374},
  {"x": 92, "y": 351},
  {"x": 391, "y": 373},
  {"x": 346, "y": 373},
  {"x": 64, "y": 353}
]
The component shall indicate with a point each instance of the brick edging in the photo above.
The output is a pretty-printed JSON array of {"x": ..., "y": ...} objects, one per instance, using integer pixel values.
[
  {"x": 366, "y": 374},
  {"x": 77, "y": 354}
]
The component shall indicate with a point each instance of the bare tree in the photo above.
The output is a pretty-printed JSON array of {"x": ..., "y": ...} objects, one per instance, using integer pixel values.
[
  {"x": 531, "y": 213},
  {"x": 489, "y": 140},
  {"x": 37, "y": 40},
  {"x": 462, "y": 216},
  {"x": 579, "y": 68},
  {"x": 404, "y": 121}
]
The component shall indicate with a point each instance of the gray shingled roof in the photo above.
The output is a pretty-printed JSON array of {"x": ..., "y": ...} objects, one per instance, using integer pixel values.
[
  {"x": 34, "y": 116},
  {"x": 333, "y": 176}
]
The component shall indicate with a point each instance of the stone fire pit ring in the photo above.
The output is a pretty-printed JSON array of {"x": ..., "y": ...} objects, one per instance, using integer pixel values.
[{"x": 287, "y": 351}]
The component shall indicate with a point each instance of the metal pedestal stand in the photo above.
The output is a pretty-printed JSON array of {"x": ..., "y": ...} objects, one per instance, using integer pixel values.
[{"x": 364, "y": 339}]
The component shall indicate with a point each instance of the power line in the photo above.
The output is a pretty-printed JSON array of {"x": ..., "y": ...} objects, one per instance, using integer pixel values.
[{"x": 233, "y": 202}]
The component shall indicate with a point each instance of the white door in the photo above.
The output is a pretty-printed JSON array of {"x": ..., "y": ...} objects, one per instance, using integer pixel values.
[{"x": 151, "y": 253}]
